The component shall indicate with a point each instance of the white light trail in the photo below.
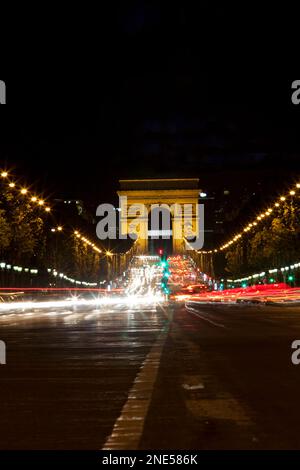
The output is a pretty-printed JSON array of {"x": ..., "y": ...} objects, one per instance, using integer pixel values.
[
  {"x": 130, "y": 300},
  {"x": 141, "y": 291}
]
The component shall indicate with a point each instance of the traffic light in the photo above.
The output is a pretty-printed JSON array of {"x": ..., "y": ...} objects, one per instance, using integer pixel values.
[
  {"x": 166, "y": 273},
  {"x": 163, "y": 258}
]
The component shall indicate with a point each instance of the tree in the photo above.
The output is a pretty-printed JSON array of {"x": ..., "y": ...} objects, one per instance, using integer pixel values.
[
  {"x": 275, "y": 242},
  {"x": 5, "y": 231}
]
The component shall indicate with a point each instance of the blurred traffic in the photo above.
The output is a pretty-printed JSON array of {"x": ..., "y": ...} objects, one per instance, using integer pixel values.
[{"x": 149, "y": 280}]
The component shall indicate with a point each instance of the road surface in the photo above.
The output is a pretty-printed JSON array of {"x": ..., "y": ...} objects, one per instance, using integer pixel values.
[{"x": 210, "y": 377}]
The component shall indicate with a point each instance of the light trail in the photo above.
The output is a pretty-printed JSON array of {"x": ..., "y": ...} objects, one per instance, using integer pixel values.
[
  {"x": 258, "y": 293},
  {"x": 131, "y": 300},
  {"x": 144, "y": 289},
  {"x": 58, "y": 289}
]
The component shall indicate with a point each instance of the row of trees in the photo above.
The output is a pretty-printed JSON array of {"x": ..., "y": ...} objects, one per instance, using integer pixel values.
[
  {"x": 67, "y": 254},
  {"x": 21, "y": 229},
  {"x": 274, "y": 243},
  {"x": 26, "y": 239}
]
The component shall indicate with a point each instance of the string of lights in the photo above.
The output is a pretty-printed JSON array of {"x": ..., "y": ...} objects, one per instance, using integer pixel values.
[
  {"x": 24, "y": 191},
  {"x": 110, "y": 253},
  {"x": 19, "y": 269},
  {"x": 40, "y": 202},
  {"x": 269, "y": 273},
  {"x": 86, "y": 241},
  {"x": 54, "y": 272},
  {"x": 70, "y": 279},
  {"x": 270, "y": 212}
]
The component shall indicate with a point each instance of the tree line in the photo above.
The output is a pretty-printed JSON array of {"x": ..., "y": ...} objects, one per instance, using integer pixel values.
[
  {"x": 274, "y": 243},
  {"x": 26, "y": 239}
]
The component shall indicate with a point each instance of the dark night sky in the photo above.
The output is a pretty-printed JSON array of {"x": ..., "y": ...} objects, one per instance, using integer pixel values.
[{"x": 143, "y": 91}]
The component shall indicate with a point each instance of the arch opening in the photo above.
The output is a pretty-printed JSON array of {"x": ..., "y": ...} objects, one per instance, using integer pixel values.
[{"x": 160, "y": 233}]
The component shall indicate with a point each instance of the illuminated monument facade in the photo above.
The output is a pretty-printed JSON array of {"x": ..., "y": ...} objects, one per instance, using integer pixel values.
[{"x": 146, "y": 196}]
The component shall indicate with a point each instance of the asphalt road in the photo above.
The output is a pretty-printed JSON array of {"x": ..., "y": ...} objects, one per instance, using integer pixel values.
[{"x": 213, "y": 377}]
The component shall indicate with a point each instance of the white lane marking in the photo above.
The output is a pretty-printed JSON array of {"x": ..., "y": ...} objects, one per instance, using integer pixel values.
[
  {"x": 128, "y": 428},
  {"x": 195, "y": 312}
]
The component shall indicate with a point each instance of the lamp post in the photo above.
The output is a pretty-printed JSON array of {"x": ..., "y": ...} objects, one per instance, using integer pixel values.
[{"x": 109, "y": 258}]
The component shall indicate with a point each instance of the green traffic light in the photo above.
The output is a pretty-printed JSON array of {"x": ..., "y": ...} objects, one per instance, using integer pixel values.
[{"x": 291, "y": 278}]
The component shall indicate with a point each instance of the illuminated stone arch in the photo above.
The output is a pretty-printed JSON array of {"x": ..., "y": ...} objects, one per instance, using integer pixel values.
[{"x": 149, "y": 192}]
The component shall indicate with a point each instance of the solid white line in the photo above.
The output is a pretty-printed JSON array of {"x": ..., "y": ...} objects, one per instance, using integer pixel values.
[{"x": 195, "y": 312}]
